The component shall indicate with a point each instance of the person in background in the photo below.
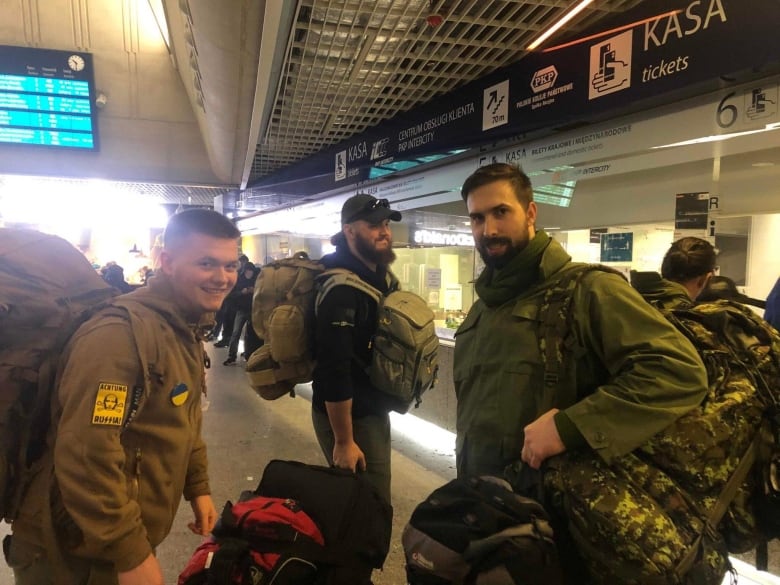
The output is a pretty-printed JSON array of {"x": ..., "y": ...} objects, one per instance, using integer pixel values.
[
  {"x": 350, "y": 418},
  {"x": 114, "y": 275},
  {"x": 241, "y": 299},
  {"x": 110, "y": 486},
  {"x": 687, "y": 268},
  {"x": 772, "y": 311},
  {"x": 226, "y": 315}
]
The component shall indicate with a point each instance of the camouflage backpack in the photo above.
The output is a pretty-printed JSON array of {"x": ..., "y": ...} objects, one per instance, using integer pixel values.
[
  {"x": 725, "y": 452},
  {"x": 637, "y": 520}
]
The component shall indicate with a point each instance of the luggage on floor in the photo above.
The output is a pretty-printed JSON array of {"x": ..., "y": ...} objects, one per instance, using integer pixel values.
[
  {"x": 355, "y": 520},
  {"x": 259, "y": 540},
  {"x": 477, "y": 531}
]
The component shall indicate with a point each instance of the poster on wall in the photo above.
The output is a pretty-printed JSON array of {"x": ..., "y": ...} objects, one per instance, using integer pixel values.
[{"x": 617, "y": 247}]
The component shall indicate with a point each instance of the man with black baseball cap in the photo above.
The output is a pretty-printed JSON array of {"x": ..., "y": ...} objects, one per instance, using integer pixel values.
[{"x": 350, "y": 416}]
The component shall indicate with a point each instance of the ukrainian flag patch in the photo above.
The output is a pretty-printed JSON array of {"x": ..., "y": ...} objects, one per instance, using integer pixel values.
[{"x": 179, "y": 394}]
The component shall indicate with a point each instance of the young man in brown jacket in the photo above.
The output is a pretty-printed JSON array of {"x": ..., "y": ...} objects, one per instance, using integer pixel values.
[{"x": 125, "y": 442}]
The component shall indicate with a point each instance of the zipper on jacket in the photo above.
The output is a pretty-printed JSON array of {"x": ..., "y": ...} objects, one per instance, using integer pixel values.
[{"x": 137, "y": 474}]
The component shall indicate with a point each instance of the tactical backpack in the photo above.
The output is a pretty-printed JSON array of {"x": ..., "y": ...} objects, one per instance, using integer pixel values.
[
  {"x": 404, "y": 362},
  {"x": 477, "y": 530},
  {"x": 695, "y": 483},
  {"x": 258, "y": 540},
  {"x": 724, "y": 452},
  {"x": 47, "y": 289}
]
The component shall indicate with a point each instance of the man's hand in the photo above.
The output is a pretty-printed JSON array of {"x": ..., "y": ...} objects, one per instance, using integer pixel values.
[
  {"x": 349, "y": 456},
  {"x": 541, "y": 440},
  {"x": 147, "y": 573},
  {"x": 205, "y": 515}
]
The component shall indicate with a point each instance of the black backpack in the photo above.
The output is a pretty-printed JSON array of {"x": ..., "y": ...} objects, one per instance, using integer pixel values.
[
  {"x": 477, "y": 530},
  {"x": 356, "y": 522}
]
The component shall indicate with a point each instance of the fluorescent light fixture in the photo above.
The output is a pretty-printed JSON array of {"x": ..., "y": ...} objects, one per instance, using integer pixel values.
[
  {"x": 158, "y": 13},
  {"x": 577, "y": 9},
  {"x": 614, "y": 30},
  {"x": 718, "y": 137}
]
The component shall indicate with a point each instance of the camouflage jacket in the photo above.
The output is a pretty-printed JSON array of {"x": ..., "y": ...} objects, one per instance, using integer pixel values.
[{"x": 632, "y": 372}]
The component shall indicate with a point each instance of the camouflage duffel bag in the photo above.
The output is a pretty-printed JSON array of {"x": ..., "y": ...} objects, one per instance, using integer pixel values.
[
  {"x": 631, "y": 524},
  {"x": 702, "y": 449}
]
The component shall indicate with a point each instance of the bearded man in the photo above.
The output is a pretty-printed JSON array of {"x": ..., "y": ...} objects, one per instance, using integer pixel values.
[
  {"x": 350, "y": 416},
  {"x": 629, "y": 373}
]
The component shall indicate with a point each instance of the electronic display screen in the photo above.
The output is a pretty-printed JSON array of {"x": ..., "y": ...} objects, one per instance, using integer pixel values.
[{"x": 47, "y": 98}]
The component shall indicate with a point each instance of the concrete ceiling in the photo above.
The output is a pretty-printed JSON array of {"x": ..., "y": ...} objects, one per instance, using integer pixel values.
[{"x": 246, "y": 87}]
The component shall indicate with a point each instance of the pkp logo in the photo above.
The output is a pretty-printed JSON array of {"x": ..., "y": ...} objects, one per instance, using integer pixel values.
[{"x": 544, "y": 79}]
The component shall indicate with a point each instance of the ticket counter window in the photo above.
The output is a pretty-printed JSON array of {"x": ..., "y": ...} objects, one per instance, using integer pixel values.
[{"x": 442, "y": 275}]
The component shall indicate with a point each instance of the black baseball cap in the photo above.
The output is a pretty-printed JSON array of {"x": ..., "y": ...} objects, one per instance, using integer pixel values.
[{"x": 368, "y": 208}]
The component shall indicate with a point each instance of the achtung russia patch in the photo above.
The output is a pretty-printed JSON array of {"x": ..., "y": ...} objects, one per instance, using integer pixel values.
[
  {"x": 110, "y": 404},
  {"x": 179, "y": 394}
]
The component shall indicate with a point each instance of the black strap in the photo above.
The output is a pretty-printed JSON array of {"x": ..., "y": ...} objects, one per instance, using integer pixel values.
[{"x": 227, "y": 558}]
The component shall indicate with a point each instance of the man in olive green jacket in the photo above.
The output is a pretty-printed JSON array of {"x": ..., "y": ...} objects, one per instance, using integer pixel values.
[
  {"x": 631, "y": 373},
  {"x": 125, "y": 442}
]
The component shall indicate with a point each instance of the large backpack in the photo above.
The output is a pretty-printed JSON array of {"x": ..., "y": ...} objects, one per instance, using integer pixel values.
[
  {"x": 722, "y": 452},
  {"x": 695, "y": 481},
  {"x": 356, "y": 522},
  {"x": 404, "y": 362},
  {"x": 47, "y": 289}
]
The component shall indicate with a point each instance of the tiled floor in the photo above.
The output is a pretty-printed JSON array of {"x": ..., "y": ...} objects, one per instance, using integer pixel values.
[{"x": 243, "y": 433}]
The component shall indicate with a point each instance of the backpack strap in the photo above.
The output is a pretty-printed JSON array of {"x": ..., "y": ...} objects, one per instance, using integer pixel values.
[
  {"x": 144, "y": 344},
  {"x": 341, "y": 276},
  {"x": 555, "y": 335}
]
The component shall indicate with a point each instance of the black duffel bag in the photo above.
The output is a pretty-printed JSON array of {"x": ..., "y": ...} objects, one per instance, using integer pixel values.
[{"x": 355, "y": 520}]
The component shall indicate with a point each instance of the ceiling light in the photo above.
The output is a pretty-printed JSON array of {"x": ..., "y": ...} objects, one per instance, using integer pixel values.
[
  {"x": 763, "y": 164},
  {"x": 574, "y": 12},
  {"x": 719, "y": 137}
]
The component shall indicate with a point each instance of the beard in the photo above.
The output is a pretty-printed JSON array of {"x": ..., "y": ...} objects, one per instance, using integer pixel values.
[
  {"x": 366, "y": 248},
  {"x": 513, "y": 249}
]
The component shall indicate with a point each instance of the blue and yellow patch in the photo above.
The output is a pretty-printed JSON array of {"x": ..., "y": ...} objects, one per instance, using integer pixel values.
[
  {"x": 110, "y": 404},
  {"x": 179, "y": 394}
]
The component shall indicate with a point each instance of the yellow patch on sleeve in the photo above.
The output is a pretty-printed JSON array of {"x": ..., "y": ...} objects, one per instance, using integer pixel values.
[{"x": 110, "y": 404}]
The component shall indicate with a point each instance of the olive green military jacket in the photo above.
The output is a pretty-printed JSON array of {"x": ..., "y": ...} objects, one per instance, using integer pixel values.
[
  {"x": 634, "y": 374},
  {"x": 119, "y": 483}
]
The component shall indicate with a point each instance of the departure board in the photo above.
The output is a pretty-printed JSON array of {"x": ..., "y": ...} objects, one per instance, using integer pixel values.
[{"x": 47, "y": 98}]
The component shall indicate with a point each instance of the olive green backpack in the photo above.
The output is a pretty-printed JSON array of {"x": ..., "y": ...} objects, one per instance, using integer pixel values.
[{"x": 404, "y": 357}]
